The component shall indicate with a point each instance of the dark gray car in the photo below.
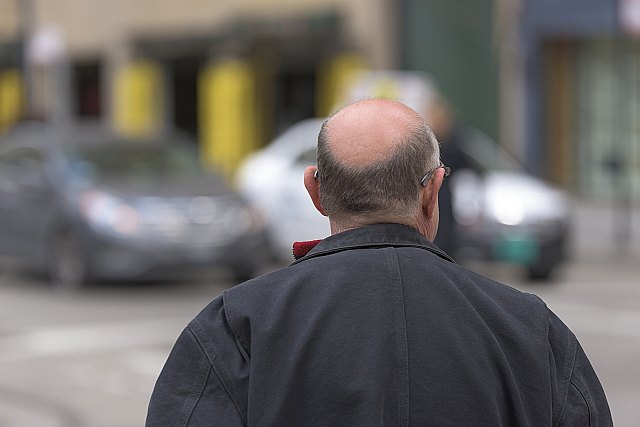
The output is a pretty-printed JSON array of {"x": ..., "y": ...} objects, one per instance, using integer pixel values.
[{"x": 82, "y": 204}]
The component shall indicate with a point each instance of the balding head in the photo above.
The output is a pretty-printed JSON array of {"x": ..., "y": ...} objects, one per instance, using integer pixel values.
[
  {"x": 371, "y": 157},
  {"x": 369, "y": 131}
]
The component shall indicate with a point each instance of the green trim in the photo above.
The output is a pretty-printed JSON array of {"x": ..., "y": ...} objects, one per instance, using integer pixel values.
[{"x": 453, "y": 41}]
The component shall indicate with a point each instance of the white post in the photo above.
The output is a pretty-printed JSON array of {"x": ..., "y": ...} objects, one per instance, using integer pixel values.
[{"x": 511, "y": 76}]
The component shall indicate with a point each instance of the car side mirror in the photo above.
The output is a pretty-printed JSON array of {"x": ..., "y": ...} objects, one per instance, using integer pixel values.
[
  {"x": 467, "y": 196},
  {"x": 28, "y": 178},
  {"x": 33, "y": 182}
]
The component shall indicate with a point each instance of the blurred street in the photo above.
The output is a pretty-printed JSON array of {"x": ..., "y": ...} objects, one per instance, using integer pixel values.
[
  {"x": 135, "y": 142},
  {"x": 90, "y": 359}
]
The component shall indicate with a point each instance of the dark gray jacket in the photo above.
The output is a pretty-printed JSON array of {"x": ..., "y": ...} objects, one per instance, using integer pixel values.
[{"x": 377, "y": 327}]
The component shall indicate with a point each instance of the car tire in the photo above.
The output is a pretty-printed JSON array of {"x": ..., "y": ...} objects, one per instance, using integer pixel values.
[
  {"x": 539, "y": 272},
  {"x": 242, "y": 273},
  {"x": 67, "y": 268},
  {"x": 551, "y": 256}
]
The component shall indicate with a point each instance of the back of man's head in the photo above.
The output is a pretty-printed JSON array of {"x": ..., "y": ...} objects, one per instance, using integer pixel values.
[{"x": 371, "y": 157}]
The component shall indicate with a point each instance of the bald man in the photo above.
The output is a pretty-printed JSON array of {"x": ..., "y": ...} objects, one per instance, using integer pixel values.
[{"x": 374, "y": 325}]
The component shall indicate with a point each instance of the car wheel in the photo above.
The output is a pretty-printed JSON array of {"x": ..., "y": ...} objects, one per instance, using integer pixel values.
[
  {"x": 539, "y": 271},
  {"x": 551, "y": 256},
  {"x": 67, "y": 269},
  {"x": 242, "y": 273}
]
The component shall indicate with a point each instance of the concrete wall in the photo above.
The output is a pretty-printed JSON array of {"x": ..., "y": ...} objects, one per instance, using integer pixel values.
[
  {"x": 89, "y": 27},
  {"x": 8, "y": 18}
]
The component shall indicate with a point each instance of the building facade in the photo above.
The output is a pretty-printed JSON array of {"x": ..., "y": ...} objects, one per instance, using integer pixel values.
[
  {"x": 583, "y": 94},
  {"x": 231, "y": 73},
  {"x": 556, "y": 82}
]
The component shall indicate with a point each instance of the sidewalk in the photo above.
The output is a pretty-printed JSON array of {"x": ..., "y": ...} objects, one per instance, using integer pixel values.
[{"x": 599, "y": 231}]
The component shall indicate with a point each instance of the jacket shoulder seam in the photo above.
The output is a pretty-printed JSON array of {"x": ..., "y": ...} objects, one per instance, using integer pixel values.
[
  {"x": 568, "y": 373},
  {"x": 231, "y": 321},
  {"x": 195, "y": 396},
  {"x": 587, "y": 401},
  {"x": 217, "y": 367}
]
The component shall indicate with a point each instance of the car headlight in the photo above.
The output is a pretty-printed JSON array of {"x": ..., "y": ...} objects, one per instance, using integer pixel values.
[
  {"x": 467, "y": 198},
  {"x": 237, "y": 220},
  {"x": 105, "y": 212},
  {"x": 505, "y": 207}
]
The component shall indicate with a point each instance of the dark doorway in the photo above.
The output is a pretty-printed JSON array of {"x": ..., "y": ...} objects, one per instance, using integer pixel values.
[
  {"x": 183, "y": 74},
  {"x": 295, "y": 96},
  {"x": 87, "y": 89}
]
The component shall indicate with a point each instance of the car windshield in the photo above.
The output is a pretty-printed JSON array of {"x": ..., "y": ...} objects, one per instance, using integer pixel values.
[
  {"x": 133, "y": 161},
  {"x": 487, "y": 154}
]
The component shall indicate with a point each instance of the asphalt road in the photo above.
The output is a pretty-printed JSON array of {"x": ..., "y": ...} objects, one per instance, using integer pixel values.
[{"x": 91, "y": 359}]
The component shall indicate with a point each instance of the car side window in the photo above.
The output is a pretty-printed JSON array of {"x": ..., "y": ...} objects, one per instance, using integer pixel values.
[
  {"x": 307, "y": 157},
  {"x": 23, "y": 167}
]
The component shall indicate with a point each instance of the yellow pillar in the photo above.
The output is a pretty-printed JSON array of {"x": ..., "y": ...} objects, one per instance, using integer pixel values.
[
  {"x": 227, "y": 116},
  {"x": 11, "y": 97},
  {"x": 138, "y": 99},
  {"x": 334, "y": 77}
]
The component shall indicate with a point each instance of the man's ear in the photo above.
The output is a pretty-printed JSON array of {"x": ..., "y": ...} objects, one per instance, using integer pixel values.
[
  {"x": 313, "y": 187},
  {"x": 430, "y": 194}
]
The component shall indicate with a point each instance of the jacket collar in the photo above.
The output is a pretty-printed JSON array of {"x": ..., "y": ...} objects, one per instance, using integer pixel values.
[{"x": 375, "y": 235}]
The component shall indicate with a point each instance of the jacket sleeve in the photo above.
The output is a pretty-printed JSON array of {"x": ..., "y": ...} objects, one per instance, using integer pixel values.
[
  {"x": 582, "y": 399},
  {"x": 586, "y": 403},
  {"x": 194, "y": 387}
]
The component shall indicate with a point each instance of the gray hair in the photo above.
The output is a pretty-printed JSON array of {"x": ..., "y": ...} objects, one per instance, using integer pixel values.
[{"x": 384, "y": 189}]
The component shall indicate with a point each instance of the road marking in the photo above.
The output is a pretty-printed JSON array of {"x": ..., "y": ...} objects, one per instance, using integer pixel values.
[
  {"x": 86, "y": 339},
  {"x": 599, "y": 320},
  {"x": 16, "y": 413}
]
